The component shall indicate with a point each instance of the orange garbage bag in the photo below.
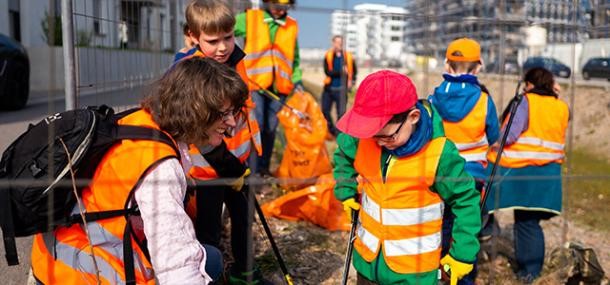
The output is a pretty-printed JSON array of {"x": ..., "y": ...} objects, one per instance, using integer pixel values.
[
  {"x": 305, "y": 156},
  {"x": 316, "y": 204}
]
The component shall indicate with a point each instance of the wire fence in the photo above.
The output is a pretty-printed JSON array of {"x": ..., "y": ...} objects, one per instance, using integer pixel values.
[{"x": 121, "y": 47}]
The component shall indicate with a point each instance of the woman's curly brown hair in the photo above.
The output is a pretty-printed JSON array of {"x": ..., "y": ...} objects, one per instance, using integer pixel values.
[{"x": 189, "y": 98}]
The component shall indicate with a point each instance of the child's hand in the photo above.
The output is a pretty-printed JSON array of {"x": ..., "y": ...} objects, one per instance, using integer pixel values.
[
  {"x": 456, "y": 269},
  {"x": 350, "y": 205}
]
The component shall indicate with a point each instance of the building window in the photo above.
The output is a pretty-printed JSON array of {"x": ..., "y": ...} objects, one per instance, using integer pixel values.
[
  {"x": 395, "y": 39},
  {"x": 14, "y": 20},
  {"x": 395, "y": 28},
  {"x": 97, "y": 14}
]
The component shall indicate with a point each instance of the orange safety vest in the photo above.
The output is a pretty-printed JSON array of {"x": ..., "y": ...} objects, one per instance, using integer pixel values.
[
  {"x": 544, "y": 139},
  {"x": 469, "y": 133},
  {"x": 400, "y": 213},
  {"x": 246, "y": 133},
  {"x": 268, "y": 62},
  {"x": 63, "y": 255},
  {"x": 330, "y": 54}
]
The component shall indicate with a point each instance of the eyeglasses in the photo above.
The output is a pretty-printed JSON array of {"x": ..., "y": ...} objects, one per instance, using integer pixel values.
[
  {"x": 228, "y": 114},
  {"x": 391, "y": 137}
]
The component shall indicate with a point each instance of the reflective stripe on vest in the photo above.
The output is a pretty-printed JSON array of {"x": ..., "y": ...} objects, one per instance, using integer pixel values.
[
  {"x": 540, "y": 142},
  {"x": 401, "y": 217},
  {"x": 474, "y": 157},
  {"x": 468, "y": 134},
  {"x": 62, "y": 256},
  {"x": 269, "y": 62},
  {"x": 544, "y": 139},
  {"x": 413, "y": 246},
  {"x": 465, "y": 146},
  {"x": 105, "y": 244},
  {"x": 400, "y": 213},
  {"x": 532, "y": 155},
  {"x": 348, "y": 62}
]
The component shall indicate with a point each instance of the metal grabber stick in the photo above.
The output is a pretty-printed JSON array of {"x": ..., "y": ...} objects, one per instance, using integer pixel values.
[
  {"x": 276, "y": 97},
  {"x": 512, "y": 109},
  {"x": 350, "y": 247},
  {"x": 276, "y": 250}
]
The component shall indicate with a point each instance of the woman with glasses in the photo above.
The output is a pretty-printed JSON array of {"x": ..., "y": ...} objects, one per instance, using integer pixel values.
[
  {"x": 159, "y": 244},
  {"x": 394, "y": 150}
]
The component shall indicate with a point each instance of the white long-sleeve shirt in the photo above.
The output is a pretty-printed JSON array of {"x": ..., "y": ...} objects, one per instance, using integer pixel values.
[{"x": 176, "y": 255}]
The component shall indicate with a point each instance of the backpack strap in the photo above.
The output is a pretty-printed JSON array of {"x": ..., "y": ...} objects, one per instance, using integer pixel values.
[
  {"x": 127, "y": 132},
  {"x": 8, "y": 228},
  {"x": 101, "y": 215},
  {"x": 6, "y": 210},
  {"x": 128, "y": 262}
]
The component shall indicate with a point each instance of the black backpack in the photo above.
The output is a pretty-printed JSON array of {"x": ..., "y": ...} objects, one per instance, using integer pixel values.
[{"x": 35, "y": 170}]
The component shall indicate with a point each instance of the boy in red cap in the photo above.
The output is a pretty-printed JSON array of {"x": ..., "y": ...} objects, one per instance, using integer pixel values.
[
  {"x": 407, "y": 171},
  {"x": 469, "y": 118}
]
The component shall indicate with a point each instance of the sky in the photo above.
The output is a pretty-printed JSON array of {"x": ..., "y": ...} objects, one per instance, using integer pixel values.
[{"x": 314, "y": 18}]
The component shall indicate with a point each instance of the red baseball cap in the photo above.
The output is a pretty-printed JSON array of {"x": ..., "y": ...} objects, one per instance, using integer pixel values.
[{"x": 380, "y": 96}]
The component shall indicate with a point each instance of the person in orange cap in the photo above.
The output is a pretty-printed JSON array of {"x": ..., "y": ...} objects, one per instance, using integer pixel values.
[
  {"x": 469, "y": 118},
  {"x": 393, "y": 148}
]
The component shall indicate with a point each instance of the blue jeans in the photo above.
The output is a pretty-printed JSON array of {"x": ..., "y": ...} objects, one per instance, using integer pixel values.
[
  {"x": 213, "y": 263},
  {"x": 339, "y": 98},
  {"x": 529, "y": 243},
  {"x": 266, "y": 114}
]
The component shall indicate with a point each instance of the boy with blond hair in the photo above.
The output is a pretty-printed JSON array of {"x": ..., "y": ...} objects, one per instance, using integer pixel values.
[
  {"x": 469, "y": 117},
  {"x": 210, "y": 28}
]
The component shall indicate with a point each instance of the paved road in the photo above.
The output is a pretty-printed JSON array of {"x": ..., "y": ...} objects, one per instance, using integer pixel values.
[{"x": 14, "y": 123}]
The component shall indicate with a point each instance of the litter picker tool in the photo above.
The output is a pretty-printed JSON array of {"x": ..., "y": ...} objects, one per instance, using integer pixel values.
[
  {"x": 350, "y": 247},
  {"x": 512, "y": 109},
  {"x": 276, "y": 250},
  {"x": 276, "y": 97}
]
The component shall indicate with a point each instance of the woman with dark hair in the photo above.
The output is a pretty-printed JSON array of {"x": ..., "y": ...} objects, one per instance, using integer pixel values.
[
  {"x": 194, "y": 103},
  {"x": 530, "y": 168}
]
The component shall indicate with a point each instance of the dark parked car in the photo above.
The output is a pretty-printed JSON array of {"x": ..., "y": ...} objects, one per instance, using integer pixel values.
[
  {"x": 551, "y": 64},
  {"x": 14, "y": 74},
  {"x": 510, "y": 67},
  {"x": 597, "y": 67}
]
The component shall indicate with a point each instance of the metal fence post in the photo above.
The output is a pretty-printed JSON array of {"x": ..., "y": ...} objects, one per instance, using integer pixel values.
[{"x": 67, "y": 29}]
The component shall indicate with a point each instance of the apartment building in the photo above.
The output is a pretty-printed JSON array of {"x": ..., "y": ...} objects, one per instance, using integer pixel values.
[
  {"x": 373, "y": 32},
  {"x": 498, "y": 25},
  {"x": 598, "y": 14},
  {"x": 119, "y": 43},
  {"x": 151, "y": 24}
]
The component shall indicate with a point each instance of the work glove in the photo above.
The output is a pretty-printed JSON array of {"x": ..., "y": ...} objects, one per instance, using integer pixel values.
[
  {"x": 350, "y": 205},
  {"x": 456, "y": 269},
  {"x": 238, "y": 183}
]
